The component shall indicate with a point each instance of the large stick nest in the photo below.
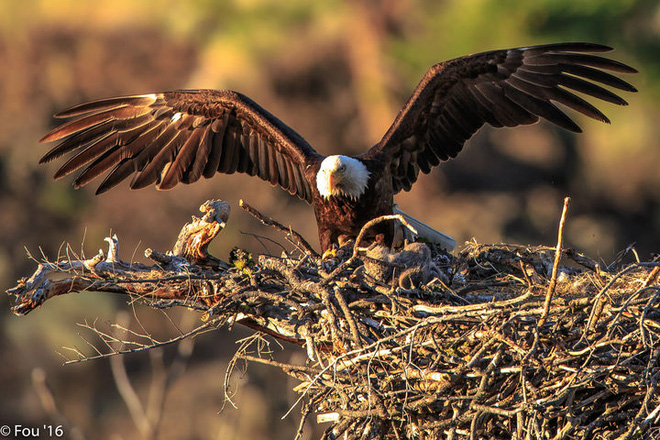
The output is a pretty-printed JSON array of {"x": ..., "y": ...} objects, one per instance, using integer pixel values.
[{"x": 419, "y": 344}]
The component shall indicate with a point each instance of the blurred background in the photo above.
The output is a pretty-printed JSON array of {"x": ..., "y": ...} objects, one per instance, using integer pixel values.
[{"x": 337, "y": 72}]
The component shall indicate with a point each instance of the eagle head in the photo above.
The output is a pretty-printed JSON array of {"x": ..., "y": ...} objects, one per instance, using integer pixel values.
[{"x": 342, "y": 176}]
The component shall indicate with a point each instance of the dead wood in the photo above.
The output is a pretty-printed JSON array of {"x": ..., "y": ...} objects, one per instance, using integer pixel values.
[{"x": 504, "y": 341}]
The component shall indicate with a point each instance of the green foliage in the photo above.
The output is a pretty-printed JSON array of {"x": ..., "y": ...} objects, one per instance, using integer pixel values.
[
  {"x": 241, "y": 260},
  {"x": 453, "y": 28}
]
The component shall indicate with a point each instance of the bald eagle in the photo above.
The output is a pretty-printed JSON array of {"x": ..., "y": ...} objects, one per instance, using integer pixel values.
[{"x": 180, "y": 136}]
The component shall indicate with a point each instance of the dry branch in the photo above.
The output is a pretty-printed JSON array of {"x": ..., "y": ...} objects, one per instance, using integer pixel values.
[{"x": 502, "y": 342}]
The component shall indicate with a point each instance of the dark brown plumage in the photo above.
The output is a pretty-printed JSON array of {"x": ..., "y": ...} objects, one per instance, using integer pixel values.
[{"x": 180, "y": 136}]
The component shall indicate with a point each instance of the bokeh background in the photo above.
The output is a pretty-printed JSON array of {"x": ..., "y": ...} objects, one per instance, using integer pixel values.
[{"x": 337, "y": 72}]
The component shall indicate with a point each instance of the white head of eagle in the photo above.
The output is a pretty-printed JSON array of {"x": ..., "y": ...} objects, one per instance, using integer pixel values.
[{"x": 342, "y": 176}]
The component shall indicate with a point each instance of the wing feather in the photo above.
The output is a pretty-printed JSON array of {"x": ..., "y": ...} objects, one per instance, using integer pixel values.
[
  {"x": 282, "y": 173},
  {"x": 580, "y": 85},
  {"x": 273, "y": 169},
  {"x": 540, "y": 107},
  {"x": 122, "y": 112},
  {"x": 230, "y": 153},
  {"x": 99, "y": 146},
  {"x": 244, "y": 165},
  {"x": 182, "y": 161},
  {"x": 294, "y": 177},
  {"x": 120, "y": 172},
  {"x": 105, "y": 104},
  {"x": 76, "y": 141},
  {"x": 216, "y": 145},
  {"x": 156, "y": 159},
  {"x": 196, "y": 168},
  {"x": 551, "y": 58},
  {"x": 120, "y": 153},
  {"x": 262, "y": 160},
  {"x": 503, "y": 88},
  {"x": 559, "y": 95}
]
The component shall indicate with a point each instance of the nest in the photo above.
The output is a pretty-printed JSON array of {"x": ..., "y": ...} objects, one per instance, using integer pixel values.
[{"x": 500, "y": 341}]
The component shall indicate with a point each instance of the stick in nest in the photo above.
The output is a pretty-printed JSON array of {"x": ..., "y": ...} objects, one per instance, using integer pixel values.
[{"x": 553, "y": 278}]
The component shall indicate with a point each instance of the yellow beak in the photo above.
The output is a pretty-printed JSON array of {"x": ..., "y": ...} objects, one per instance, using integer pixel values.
[{"x": 334, "y": 178}]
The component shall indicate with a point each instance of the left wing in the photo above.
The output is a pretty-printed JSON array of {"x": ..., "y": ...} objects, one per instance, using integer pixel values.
[{"x": 502, "y": 88}]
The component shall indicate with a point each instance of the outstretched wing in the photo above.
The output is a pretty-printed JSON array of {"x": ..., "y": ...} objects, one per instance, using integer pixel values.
[
  {"x": 503, "y": 88},
  {"x": 180, "y": 136}
]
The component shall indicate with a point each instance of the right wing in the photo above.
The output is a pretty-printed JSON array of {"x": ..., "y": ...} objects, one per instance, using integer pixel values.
[{"x": 172, "y": 137}]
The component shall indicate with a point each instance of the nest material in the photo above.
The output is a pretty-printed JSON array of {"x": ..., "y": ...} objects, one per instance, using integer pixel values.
[
  {"x": 469, "y": 360},
  {"x": 470, "y": 348}
]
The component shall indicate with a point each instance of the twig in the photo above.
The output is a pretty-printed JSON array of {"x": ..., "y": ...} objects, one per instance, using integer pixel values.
[
  {"x": 205, "y": 327},
  {"x": 553, "y": 280},
  {"x": 348, "y": 316},
  {"x": 281, "y": 365},
  {"x": 277, "y": 225},
  {"x": 305, "y": 412},
  {"x": 555, "y": 265}
]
